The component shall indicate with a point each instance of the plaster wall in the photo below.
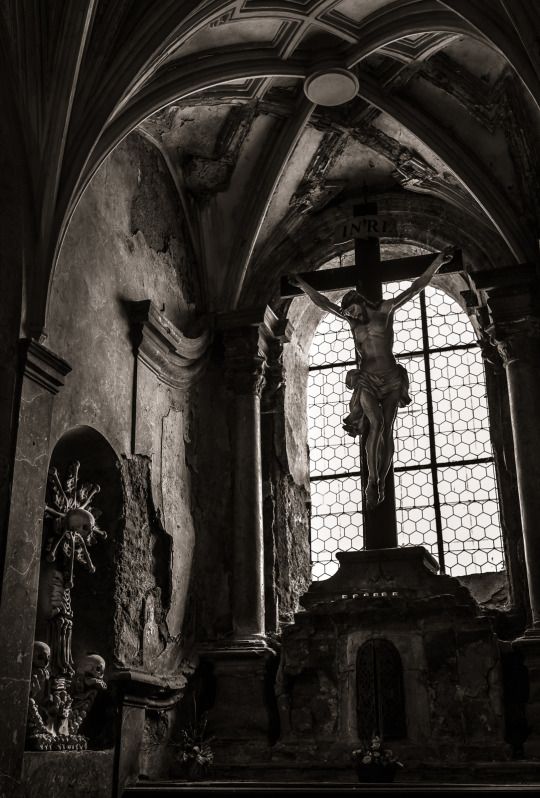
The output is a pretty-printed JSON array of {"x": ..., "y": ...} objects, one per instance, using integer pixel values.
[{"x": 127, "y": 242}]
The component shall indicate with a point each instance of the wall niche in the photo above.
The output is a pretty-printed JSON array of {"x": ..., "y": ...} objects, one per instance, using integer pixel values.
[{"x": 71, "y": 707}]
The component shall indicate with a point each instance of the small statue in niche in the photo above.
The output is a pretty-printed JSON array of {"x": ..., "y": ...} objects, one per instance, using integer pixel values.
[
  {"x": 88, "y": 681},
  {"x": 75, "y": 525},
  {"x": 380, "y": 384},
  {"x": 70, "y": 530},
  {"x": 37, "y": 732}
]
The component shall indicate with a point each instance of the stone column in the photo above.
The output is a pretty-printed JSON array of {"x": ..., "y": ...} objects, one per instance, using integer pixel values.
[
  {"x": 41, "y": 376},
  {"x": 519, "y": 345},
  {"x": 505, "y": 467},
  {"x": 515, "y": 330},
  {"x": 241, "y": 717},
  {"x": 245, "y": 358}
]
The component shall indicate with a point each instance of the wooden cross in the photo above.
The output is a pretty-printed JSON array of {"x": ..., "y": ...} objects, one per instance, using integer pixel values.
[{"x": 367, "y": 275}]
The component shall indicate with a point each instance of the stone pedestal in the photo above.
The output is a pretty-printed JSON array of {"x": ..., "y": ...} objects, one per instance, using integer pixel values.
[
  {"x": 42, "y": 374},
  {"x": 529, "y": 647},
  {"x": 79, "y": 774},
  {"x": 244, "y": 715},
  {"x": 138, "y": 691}
]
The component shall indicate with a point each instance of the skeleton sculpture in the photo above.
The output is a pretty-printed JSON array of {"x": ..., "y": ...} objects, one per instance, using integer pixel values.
[
  {"x": 59, "y": 703},
  {"x": 84, "y": 688},
  {"x": 38, "y": 734}
]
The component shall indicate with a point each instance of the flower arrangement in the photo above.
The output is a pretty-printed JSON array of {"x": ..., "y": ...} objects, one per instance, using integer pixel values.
[
  {"x": 375, "y": 759},
  {"x": 195, "y": 750}
]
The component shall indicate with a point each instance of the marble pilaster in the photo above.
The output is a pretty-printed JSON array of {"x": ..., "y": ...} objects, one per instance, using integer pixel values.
[{"x": 41, "y": 377}]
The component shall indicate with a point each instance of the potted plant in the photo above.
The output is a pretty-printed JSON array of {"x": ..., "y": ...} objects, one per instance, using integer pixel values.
[{"x": 373, "y": 763}]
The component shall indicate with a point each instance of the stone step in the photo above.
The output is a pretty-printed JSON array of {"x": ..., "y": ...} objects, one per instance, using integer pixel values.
[{"x": 198, "y": 789}]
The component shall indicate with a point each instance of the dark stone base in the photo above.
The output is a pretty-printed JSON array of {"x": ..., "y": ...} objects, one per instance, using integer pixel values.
[
  {"x": 243, "y": 713},
  {"x": 77, "y": 774},
  {"x": 529, "y": 646}
]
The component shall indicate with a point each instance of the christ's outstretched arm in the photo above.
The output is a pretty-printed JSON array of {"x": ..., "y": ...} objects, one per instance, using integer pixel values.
[
  {"x": 318, "y": 299},
  {"x": 421, "y": 282}
]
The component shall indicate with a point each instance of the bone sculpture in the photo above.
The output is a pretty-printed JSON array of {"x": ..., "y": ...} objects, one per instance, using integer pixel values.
[{"x": 61, "y": 696}]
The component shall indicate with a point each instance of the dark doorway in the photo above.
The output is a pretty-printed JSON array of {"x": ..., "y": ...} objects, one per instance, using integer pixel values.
[{"x": 380, "y": 698}]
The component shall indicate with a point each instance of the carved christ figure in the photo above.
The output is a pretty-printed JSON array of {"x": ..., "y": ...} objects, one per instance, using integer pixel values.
[{"x": 380, "y": 385}]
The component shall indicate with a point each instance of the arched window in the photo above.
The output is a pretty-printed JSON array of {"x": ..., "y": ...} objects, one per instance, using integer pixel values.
[{"x": 446, "y": 492}]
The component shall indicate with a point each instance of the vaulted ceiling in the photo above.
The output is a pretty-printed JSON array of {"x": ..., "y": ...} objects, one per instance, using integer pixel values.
[{"x": 444, "y": 131}]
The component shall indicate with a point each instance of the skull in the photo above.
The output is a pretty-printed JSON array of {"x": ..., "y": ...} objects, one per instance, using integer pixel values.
[
  {"x": 41, "y": 655},
  {"x": 79, "y": 521},
  {"x": 92, "y": 666}
]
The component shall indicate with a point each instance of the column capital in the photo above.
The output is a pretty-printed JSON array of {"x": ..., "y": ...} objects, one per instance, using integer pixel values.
[
  {"x": 517, "y": 339},
  {"x": 245, "y": 367},
  {"x": 479, "y": 317},
  {"x": 250, "y": 338},
  {"x": 505, "y": 308}
]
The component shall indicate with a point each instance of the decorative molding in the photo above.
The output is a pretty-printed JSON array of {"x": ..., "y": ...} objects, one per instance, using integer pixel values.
[
  {"x": 418, "y": 47},
  {"x": 43, "y": 366},
  {"x": 315, "y": 191},
  {"x": 175, "y": 359},
  {"x": 223, "y": 19},
  {"x": 411, "y": 170},
  {"x": 152, "y": 691}
]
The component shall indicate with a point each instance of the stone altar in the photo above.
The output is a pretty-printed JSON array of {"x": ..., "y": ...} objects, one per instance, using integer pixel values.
[{"x": 449, "y": 654}]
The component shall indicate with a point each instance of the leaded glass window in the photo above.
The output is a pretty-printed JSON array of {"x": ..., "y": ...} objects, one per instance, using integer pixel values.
[{"x": 446, "y": 492}]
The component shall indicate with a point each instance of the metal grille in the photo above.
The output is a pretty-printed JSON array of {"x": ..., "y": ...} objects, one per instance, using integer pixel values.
[
  {"x": 380, "y": 697},
  {"x": 446, "y": 493}
]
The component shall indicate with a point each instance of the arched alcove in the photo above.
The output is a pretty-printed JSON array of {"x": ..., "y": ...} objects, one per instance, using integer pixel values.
[
  {"x": 380, "y": 695},
  {"x": 92, "y": 595}
]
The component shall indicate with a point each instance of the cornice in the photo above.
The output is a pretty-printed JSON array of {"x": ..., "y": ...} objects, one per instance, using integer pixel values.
[
  {"x": 42, "y": 366},
  {"x": 174, "y": 358}
]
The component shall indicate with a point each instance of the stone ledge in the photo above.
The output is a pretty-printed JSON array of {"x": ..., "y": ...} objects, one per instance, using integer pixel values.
[{"x": 405, "y": 573}]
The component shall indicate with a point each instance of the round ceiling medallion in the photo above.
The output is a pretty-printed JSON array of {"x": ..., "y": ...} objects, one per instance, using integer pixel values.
[{"x": 333, "y": 86}]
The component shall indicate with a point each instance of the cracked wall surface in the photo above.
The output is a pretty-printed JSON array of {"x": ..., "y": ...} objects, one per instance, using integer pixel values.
[{"x": 128, "y": 242}]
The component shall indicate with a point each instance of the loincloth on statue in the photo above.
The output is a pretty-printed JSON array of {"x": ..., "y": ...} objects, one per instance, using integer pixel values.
[{"x": 379, "y": 384}]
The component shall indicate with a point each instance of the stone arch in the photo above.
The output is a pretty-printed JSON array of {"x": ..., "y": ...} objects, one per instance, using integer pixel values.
[{"x": 305, "y": 243}]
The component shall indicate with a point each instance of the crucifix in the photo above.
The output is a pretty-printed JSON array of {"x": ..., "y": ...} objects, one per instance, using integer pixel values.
[{"x": 379, "y": 383}]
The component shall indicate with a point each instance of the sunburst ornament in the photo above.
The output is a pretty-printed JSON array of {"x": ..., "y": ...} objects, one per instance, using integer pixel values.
[{"x": 74, "y": 528}]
